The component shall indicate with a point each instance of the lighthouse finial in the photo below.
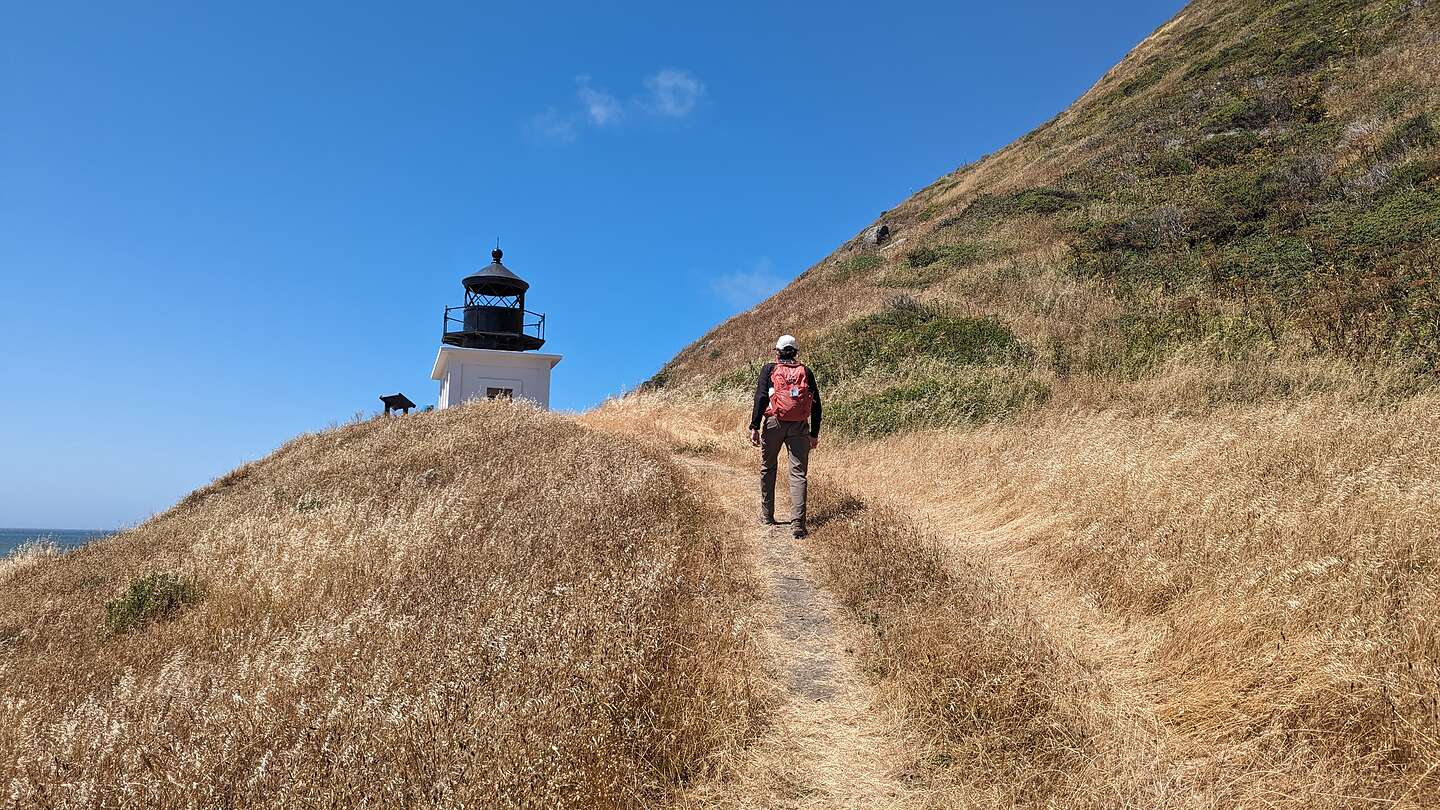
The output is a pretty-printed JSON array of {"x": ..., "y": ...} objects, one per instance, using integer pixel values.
[{"x": 496, "y": 254}]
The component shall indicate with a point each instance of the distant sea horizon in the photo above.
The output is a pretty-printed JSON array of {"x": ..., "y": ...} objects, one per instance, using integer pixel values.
[{"x": 11, "y": 539}]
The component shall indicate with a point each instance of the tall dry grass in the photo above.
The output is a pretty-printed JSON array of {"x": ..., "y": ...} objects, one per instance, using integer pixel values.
[
  {"x": 1011, "y": 716},
  {"x": 1001, "y": 711},
  {"x": 1279, "y": 559},
  {"x": 1252, "y": 589},
  {"x": 709, "y": 423},
  {"x": 485, "y": 606}
]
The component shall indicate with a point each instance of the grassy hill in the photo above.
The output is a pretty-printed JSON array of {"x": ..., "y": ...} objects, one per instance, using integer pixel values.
[
  {"x": 1129, "y": 500},
  {"x": 1166, "y": 365},
  {"x": 1254, "y": 189},
  {"x": 485, "y": 606}
]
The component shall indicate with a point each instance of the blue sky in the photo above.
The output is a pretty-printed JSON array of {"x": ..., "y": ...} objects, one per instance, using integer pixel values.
[{"x": 223, "y": 226}]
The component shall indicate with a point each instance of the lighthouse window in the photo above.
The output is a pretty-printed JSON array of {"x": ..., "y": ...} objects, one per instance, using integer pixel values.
[{"x": 499, "y": 393}]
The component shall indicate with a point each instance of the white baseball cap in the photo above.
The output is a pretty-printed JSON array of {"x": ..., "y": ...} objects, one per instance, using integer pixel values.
[{"x": 785, "y": 342}]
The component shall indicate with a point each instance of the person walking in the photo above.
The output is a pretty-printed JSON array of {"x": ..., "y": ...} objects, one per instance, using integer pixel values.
[{"x": 788, "y": 400}]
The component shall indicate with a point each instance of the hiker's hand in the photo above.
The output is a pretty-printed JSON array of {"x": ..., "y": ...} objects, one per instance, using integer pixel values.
[
  {"x": 755, "y": 437},
  {"x": 814, "y": 442}
]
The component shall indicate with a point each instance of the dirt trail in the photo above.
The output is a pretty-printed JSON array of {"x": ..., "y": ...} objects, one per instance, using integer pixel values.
[{"x": 829, "y": 746}]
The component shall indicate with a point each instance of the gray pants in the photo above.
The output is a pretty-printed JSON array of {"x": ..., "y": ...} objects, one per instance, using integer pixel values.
[{"x": 794, "y": 436}]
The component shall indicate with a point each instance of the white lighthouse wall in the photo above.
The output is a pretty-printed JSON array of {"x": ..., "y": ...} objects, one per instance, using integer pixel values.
[{"x": 468, "y": 373}]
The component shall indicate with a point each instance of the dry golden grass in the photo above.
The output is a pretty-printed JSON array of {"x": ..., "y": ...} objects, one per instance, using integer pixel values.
[
  {"x": 994, "y": 708},
  {"x": 703, "y": 424},
  {"x": 1225, "y": 545},
  {"x": 1012, "y": 717},
  {"x": 1229, "y": 606},
  {"x": 485, "y": 606},
  {"x": 1276, "y": 566}
]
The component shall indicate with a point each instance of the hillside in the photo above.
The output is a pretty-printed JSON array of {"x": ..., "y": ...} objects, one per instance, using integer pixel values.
[
  {"x": 1128, "y": 499},
  {"x": 1162, "y": 375},
  {"x": 484, "y": 606},
  {"x": 1254, "y": 190}
]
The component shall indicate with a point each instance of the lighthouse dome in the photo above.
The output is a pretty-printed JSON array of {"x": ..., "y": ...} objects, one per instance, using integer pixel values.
[{"x": 495, "y": 279}]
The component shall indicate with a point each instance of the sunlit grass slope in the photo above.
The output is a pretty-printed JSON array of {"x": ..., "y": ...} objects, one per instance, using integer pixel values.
[
  {"x": 1274, "y": 568},
  {"x": 1254, "y": 189},
  {"x": 484, "y": 606},
  {"x": 1098, "y": 609},
  {"x": 1168, "y": 362}
]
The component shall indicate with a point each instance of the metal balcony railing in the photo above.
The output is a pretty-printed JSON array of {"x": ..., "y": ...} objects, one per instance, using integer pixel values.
[{"x": 530, "y": 323}]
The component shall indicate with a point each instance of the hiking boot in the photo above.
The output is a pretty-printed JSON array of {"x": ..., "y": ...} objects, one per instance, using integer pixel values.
[
  {"x": 769, "y": 520},
  {"x": 800, "y": 531}
]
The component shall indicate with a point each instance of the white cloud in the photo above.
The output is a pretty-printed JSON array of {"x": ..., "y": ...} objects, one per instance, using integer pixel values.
[
  {"x": 551, "y": 126},
  {"x": 601, "y": 108},
  {"x": 673, "y": 93},
  {"x": 668, "y": 93},
  {"x": 743, "y": 289}
]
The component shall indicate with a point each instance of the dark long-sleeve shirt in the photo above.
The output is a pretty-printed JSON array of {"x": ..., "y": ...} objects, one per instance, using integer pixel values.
[{"x": 762, "y": 399}]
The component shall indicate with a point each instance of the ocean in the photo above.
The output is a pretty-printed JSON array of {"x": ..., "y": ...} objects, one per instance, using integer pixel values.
[{"x": 11, "y": 539}]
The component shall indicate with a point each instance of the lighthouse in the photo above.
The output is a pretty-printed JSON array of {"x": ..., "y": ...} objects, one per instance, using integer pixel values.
[{"x": 488, "y": 343}]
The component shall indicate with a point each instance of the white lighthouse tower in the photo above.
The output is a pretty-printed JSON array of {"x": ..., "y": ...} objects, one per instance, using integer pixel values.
[{"x": 489, "y": 342}]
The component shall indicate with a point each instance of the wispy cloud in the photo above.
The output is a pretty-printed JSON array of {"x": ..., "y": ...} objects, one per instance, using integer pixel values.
[
  {"x": 601, "y": 108},
  {"x": 670, "y": 93},
  {"x": 673, "y": 93},
  {"x": 743, "y": 289},
  {"x": 551, "y": 125}
]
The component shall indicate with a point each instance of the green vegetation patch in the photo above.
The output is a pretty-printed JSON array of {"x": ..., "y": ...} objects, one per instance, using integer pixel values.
[
  {"x": 1130, "y": 345},
  {"x": 1295, "y": 38},
  {"x": 930, "y": 368},
  {"x": 922, "y": 257},
  {"x": 936, "y": 402},
  {"x": 858, "y": 263},
  {"x": 906, "y": 331},
  {"x": 741, "y": 379},
  {"x": 1412, "y": 215},
  {"x": 1040, "y": 200},
  {"x": 1225, "y": 148},
  {"x": 155, "y": 597},
  {"x": 926, "y": 266}
]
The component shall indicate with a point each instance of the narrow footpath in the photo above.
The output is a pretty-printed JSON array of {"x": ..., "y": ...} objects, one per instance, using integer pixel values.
[
  {"x": 832, "y": 746},
  {"x": 828, "y": 746}
]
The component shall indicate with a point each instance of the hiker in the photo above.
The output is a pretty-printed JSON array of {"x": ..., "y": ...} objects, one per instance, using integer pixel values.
[{"x": 786, "y": 397}]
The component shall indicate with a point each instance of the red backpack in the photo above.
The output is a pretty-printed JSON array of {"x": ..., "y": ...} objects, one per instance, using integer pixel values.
[{"x": 790, "y": 394}]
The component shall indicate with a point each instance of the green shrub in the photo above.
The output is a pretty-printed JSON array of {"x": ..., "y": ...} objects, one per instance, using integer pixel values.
[
  {"x": 1248, "y": 112},
  {"x": 1414, "y": 133},
  {"x": 935, "y": 402},
  {"x": 1308, "y": 54},
  {"x": 1043, "y": 201},
  {"x": 1130, "y": 345},
  {"x": 907, "y": 330},
  {"x": 922, "y": 257},
  {"x": 742, "y": 379},
  {"x": 964, "y": 254},
  {"x": 1040, "y": 200},
  {"x": 155, "y": 597},
  {"x": 1411, "y": 215},
  {"x": 858, "y": 263},
  {"x": 1417, "y": 172},
  {"x": 1224, "y": 149},
  {"x": 958, "y": 255},
  {"x": 1171, "y": 164}
]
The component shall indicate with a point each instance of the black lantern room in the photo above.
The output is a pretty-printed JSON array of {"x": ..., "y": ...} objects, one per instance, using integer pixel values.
[{"x": 494, "y": 315}]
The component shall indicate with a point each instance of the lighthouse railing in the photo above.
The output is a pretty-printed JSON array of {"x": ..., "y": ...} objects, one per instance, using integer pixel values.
[{"x": 532, "y": 323}]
